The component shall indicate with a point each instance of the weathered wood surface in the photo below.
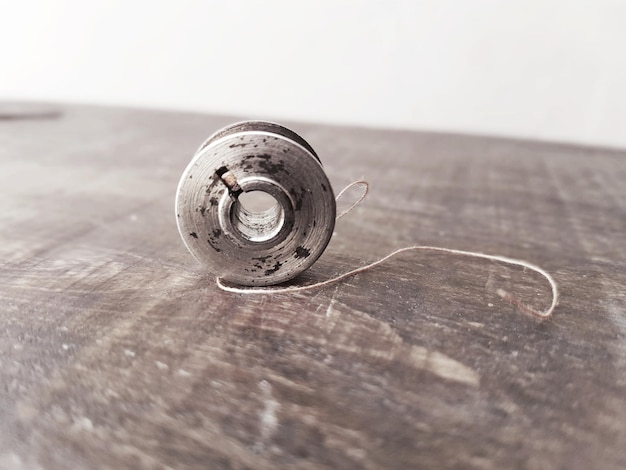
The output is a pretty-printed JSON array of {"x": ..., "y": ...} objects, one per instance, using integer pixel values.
[{"x": 118, "y": 351}]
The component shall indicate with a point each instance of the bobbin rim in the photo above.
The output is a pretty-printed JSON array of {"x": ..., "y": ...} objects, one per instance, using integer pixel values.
[{"x": 270, "y": 127}]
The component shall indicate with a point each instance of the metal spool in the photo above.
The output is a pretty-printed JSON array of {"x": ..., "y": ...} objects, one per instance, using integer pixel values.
[{"x": 244, "y": 245}]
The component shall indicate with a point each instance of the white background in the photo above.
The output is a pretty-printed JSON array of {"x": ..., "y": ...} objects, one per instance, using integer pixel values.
[{"x": 548, "y": 69}]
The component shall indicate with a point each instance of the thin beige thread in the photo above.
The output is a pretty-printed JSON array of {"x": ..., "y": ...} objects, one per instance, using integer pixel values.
[
  {"x": 472, "y": 254},
  {"x": 366, "y": 188}
]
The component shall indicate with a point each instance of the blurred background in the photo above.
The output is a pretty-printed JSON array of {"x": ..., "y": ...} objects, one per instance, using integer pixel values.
[{"x": 541, "y": 69}]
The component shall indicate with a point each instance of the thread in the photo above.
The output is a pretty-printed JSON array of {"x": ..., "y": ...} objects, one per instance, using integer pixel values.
[
  {"x": 366, "y": 188},
  {"x": 524, "y": 308}
]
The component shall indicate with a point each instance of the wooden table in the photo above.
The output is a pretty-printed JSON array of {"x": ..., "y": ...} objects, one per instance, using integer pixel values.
[{"x": 118, "y": 351}]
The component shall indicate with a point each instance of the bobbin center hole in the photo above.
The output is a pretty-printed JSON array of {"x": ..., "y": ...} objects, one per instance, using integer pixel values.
[{"x": 257, "y": 215}]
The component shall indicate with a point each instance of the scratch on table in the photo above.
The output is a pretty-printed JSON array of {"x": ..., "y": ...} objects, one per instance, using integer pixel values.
[
  {"x": 393, "y": 348},
  {"x": 268, "y": 418},
  {"x": 329, "y": 310}
]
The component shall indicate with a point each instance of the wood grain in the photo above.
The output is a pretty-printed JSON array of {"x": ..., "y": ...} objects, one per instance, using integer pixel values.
[{"x": 117, "y": 350}]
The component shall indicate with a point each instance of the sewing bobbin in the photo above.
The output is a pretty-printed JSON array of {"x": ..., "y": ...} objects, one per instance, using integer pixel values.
[{"x": 246, "y": 246}]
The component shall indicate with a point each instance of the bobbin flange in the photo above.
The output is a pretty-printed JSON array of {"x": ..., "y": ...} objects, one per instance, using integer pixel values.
[{"x": 247, "y": 247}]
